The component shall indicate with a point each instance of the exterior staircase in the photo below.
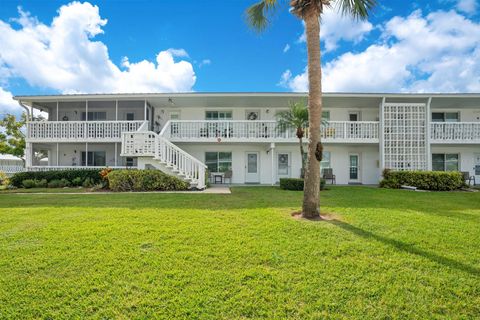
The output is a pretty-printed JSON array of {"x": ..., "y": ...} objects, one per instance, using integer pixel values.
[{"x": 153, "y": 150}]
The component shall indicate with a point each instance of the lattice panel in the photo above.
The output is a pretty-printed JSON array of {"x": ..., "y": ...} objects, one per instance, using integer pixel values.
[{"x": 405, "y": 136}]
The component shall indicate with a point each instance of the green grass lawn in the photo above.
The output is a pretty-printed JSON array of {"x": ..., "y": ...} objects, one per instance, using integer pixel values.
[{"x": 390, "y": 254}]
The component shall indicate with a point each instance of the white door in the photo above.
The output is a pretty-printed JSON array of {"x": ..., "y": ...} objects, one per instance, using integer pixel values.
[
  {"x": 354, "y": 168},
  {"x": 283, "y": 165},
  {"x": 477, "y": 167},
  {"x": 252, "y": 172}
]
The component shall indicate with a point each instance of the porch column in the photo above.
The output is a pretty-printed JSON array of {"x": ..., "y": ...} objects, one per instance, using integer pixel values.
[
  {"x": 58, "y": 155},
  {"x": 28, "y": 154},
  {"x": 86, "y": 110},
  {"x": 272, "y": 151},
  {"x": 428, "y": 146},
  {"x": 86, "y": 154},
  {"x": 57, "y": 111},
  {"x": 145, "y": 110},
  {"x": 116, "y": 110},
  {"x": 116, "y": 164},
  {"x": 381, "y": 136}
]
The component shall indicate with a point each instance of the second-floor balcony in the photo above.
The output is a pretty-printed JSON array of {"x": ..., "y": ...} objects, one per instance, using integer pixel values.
[
  {"x": 80, "y": 131},
  {"x": 266, "y": 131},
  {"x": 455, "y": 132}
]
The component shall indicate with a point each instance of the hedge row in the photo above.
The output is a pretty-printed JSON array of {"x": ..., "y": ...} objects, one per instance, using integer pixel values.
[
  {"x": 79, "y": 176},
  {"x": 296, "y": 184},
  {"x": 144, "y": 180},
  {"x": 425, "y": 180}
]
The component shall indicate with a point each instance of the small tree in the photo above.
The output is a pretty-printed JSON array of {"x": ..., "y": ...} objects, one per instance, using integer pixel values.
[
  {"x": 12, "y": 139},
  {"x": 295, "y": 117}
]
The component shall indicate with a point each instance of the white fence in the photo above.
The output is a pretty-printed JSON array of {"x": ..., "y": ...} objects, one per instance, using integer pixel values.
[
  {"x": 456, "y": 132},
  {"x": 55, "y": 168},
  {"x": 235, "y": 130},
  {"x": 181, "y": 163},
  {"x": 11, "y": 169},
  {"x": 80, "y": 131}
]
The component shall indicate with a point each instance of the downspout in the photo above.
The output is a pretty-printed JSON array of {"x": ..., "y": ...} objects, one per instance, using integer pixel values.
[
  {"x": 26, "y": 109},
  {"x": 28, "y": 152}
]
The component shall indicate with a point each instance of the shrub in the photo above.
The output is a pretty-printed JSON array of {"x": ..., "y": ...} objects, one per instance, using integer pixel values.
[
  {"x": 77, "y": 182},
  {"x": 4, "y": 180},
  {"x": 296, "y": 184},
  {"x": 425, "y": 180},
  {"x": 291, "y": 184},
  {"x": 69, "y": 175},
  {"x": 28, "y": 183},
  {"x": 144, "y": 180},
  {"x": 41, "y": 183},
  {"x": 88, "y": 183},
  {"x": 55, "y": 184}
]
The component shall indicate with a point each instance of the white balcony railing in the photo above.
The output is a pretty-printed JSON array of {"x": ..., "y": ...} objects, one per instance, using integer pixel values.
[
  {"x": 244, "y": 131},
  {"x": 56, "y": 168},
  {"x": 455, "y": 132},
  {"x": 80, "y": 131}
]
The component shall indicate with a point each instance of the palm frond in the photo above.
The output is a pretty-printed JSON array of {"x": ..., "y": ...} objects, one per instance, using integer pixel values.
[
  {"x": 358, "y": 9},
  {"x": 258, "y": 15}
]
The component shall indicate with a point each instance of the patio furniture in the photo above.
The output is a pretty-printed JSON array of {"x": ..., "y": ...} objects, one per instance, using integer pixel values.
[
  {"x": 328, "y": 175},
  {"x": 227, "y": 175},
  {"x": 218, "y": 178},
  {"x": 468, "y": 177}
]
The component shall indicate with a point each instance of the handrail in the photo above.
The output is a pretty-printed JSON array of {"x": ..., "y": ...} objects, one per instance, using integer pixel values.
[{"x": 148, "y": 143}]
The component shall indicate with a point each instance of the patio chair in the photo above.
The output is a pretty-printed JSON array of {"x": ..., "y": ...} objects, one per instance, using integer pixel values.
[
  {"x": 227, "y": 175},
  {"x": 328, "y": 175},
  {"x": 468, "y": 177}
]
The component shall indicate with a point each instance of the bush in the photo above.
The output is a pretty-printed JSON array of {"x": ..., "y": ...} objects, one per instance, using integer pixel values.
[
  {"x": 88, "y": 183},
  {"x": 296, "y": 184},
  {"x": 144, "y": 180},
  {"x": 55, "y": 184},
  {"x": 41, "y": 183},
  {"x": 69, "y": 175},
  {"x": 77, "y": 182},
  {"x": 28, "y": 183},
  {"x": 4, "y": 180},
  {"x": 425, "y": 180}
]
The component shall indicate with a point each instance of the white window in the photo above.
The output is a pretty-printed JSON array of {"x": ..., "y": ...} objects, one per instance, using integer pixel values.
[
  {"x": 94, "y": 116},
  {"x": 218, "y": 115},
  {"x": 445, "y": 162},
  {"x": 445, "y": 117},
  {"x": 218, "y": 161},
  {"x": 94, "y": 158}
]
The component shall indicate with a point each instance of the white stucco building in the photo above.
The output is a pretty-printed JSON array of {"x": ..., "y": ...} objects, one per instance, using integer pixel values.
[{"x": 183, "y": 133}]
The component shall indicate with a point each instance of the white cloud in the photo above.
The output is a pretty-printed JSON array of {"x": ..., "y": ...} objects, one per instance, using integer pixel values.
[
  {"x": 467, "y": 6},
  {"x": 286, "y": 48},
  {"x": 204, "y": 62},
  {"x": 7, "y": 104},
  {"x": 336, "y": 27},
  {"x": 439, "y": 52},
  {"x": 64, "y": 56}
]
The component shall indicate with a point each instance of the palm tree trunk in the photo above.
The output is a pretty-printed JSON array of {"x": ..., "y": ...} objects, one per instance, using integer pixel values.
[
  {"x": 311, "y": 194},
  {"x": 302, "y": 152}
]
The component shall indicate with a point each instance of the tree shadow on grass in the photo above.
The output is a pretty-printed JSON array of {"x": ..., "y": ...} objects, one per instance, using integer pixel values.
[{"x": 450, "y": 263}]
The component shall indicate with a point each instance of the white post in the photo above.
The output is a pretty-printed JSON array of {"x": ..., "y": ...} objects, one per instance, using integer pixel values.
[
  {"x": 428, "y": 131},
  {"x": 272, "y": 150},
  {"x": 145, "y": 110},
  {"x": 28, "y": 154},
  {"x": 58, "y": 155},
  {"x": 116, "y": 110},
  {"x": 116, "y": 155},
  {"x": 381, "y": 134},
  {"x": 86, "y": 154},
  {"x": 57, "y": 112},
  {"x": 86, "y": 110}
]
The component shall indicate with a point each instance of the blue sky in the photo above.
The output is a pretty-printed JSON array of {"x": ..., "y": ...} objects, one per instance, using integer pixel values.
[{"x": 113, "y": 46}]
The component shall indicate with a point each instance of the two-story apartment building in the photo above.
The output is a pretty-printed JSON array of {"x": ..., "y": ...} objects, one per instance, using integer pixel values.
[{"x": 184, "y": 133}]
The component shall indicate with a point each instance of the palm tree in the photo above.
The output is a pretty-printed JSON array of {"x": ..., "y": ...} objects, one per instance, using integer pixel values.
[
  {"x": 295, "y": 117},
  {"x": 310, "y": 12}
]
